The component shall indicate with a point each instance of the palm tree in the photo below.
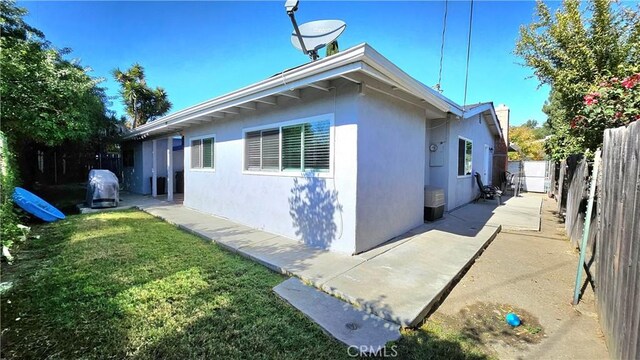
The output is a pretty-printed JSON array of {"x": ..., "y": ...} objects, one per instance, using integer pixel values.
[{"x": 143, "y": 103}]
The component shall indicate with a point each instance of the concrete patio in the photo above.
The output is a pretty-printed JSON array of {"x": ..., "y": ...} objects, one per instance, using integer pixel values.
[{"x": 399, "y": 281}]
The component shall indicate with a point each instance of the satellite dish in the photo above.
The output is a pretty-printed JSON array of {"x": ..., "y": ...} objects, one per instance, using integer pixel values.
[{"x": 317, "y": 34}]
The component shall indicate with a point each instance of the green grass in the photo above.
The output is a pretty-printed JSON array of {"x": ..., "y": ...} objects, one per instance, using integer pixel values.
[{"x": 124, "y": 284}]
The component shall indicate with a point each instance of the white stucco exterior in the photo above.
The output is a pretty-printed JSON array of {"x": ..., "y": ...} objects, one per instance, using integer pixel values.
[
  {"x": 391, "y": 158},
  {"x": 390, "y": 136},
  {"x": 326, "y": 217}
]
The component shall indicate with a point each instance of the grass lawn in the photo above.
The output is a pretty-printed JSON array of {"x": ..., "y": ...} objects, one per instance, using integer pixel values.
[{"x": 125, "y": 284}]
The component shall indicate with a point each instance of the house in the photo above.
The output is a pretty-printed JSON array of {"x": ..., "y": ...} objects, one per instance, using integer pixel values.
[{"x": 335, "y": 153}]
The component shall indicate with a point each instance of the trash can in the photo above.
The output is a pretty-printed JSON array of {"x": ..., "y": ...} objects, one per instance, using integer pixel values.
[
  {"x": 433, "y": 203},
  {"x": 162, "y": 185},
  {"x": 179, "y": 182}
]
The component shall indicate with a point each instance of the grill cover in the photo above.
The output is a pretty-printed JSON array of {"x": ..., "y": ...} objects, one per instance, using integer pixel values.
[{"x": 102, "y": 189}]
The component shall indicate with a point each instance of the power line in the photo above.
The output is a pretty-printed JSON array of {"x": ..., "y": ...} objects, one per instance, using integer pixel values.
[
  {"x": 444, "y": 30},
  {"x": 466, "y": 78}
]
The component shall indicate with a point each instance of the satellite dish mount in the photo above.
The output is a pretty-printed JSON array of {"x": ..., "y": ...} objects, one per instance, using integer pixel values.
[
  {"x": 312, "y": 36},
  {"x": 292, "y": 6}
]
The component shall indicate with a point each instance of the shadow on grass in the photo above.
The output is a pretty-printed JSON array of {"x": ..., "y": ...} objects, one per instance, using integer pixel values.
[
  {"x": 130, "y": 285},
  {"x": 150, "y": 292}
]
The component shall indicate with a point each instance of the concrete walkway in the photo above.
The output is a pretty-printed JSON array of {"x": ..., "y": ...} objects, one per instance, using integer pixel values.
[{"x": 399, "y": 281}]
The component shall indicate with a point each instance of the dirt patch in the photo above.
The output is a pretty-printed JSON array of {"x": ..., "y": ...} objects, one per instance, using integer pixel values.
[{"x": 485, "y": 324}]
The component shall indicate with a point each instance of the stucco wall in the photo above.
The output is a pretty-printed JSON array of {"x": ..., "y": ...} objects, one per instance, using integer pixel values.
[
  {"x": 391, "y": 169},
  {"x": 462, "y": 190},
  {"x": 317, "y": 210},
  {"x": 437, "y": 167}
]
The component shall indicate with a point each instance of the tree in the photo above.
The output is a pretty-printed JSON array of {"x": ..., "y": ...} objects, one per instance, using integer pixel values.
[
  {"x": 45, "y": 99},
  {"x": 612, "y": 103},
  {"x": 143, "y": 103},
  {"x": 540, "y": 132},
  {"x": 572, "y": 50},
  {"x": 531, "y": 147}
]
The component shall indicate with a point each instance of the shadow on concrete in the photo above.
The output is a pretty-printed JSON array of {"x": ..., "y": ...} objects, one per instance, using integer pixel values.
[{"x": 313, "y": 208}]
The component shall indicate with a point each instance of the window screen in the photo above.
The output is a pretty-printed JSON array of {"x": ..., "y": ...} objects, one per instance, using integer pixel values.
[{"x": 202, "y": 153}]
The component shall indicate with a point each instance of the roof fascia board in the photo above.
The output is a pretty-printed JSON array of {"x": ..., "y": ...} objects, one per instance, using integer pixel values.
[
  {"x": 477, "y": 110},
  {"x": 221, "y": 105},
  {"x": 386, "y": 67},
  {"x": 348, "y": 56},
  {"x": 484, "y": 108}
]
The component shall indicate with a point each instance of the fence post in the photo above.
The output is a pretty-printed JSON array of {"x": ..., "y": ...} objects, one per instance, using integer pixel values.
[{"x": 587, "y": 225}]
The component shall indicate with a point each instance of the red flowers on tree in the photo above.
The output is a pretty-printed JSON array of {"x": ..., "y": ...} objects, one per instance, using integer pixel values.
[
  {"x": 611, "y": 103},
  {"x": 630, "y": 81},
  {"x": 591, "y": 99}
]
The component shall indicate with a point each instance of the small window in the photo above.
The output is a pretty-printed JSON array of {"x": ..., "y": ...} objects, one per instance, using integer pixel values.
[
  {"x": 306, "y": 147},
  {"x": 202, "y": 153},
  {"x": 262, "y": 150},
  {"x": 465, "y": 156},
  {"x": 300, "y": 147}
]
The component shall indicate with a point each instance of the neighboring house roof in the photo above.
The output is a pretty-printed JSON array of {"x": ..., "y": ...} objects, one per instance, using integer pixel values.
[{"x": 348, "y": 64}]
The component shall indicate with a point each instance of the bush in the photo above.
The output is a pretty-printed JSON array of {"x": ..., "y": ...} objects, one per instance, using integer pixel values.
[
  {"x": 614, "y": 102},
  {"x": 9, "y": 218}
]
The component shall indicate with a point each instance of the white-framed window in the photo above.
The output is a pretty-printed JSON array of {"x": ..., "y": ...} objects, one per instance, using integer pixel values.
[
  {"x": 262, "y": 150},
  {"x": 291, "y": 147},
  {"x": 465, "y": 156},
  {"x": 203, "y": 152}
]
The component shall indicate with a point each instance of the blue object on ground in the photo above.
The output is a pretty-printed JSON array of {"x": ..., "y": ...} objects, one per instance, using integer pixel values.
[
  {"x": 36, "y": 206},
  {"x": 512, "y": 319}
]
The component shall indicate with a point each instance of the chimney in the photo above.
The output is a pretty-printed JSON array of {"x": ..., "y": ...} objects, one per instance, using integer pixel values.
[{"x": 502, "y": 112}]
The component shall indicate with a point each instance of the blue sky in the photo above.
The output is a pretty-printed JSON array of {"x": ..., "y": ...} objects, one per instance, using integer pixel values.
[{"x": 200, "y": 50}]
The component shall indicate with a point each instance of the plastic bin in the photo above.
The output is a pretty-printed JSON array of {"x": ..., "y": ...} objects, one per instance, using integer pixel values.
[
  {"x": 433, "y": 203},
  {"x": 179, "y": 182},
  {"x": 162, "y": 184}
]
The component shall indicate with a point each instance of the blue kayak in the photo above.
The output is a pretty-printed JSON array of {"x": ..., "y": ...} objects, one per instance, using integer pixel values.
[{"x": 36, "y": 206}]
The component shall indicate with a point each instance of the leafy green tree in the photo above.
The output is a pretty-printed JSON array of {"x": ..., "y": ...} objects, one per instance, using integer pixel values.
[
  {"x": 45, "y": 99},
  {"x": 143, "y": 103},
  {"x": 572, "y": 50},
  {"x": 531, "y": 147}
]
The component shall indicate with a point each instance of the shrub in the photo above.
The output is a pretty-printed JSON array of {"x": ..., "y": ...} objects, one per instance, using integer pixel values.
[
  {"x": 613, "y": 102},
  {"x": 9, "y": 218}
]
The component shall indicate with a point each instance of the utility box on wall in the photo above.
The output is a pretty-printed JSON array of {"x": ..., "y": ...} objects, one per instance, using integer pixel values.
[{"x": 433, "y": 203}]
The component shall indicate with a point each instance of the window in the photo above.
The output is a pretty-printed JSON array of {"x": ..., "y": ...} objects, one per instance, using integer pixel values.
[
  {"x": 299, "y": 147},
  {"x": 262, "y": 150},
  {"x": 306, "y": 147},
  {"x": 202, "y": 153},
  {"x": 465, "y": 155}
]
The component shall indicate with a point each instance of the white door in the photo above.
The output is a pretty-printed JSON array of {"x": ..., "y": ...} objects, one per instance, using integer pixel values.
[{"x": 486, "y": 170}]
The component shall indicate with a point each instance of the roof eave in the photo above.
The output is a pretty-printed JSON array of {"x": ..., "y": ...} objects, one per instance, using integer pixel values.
[
  {"x": 487, "y": 107},
  {"x": 361, "y": 58}
]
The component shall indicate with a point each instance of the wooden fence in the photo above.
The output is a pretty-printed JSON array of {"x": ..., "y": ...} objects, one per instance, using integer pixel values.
[
  {"x": 617, "y": 277},
  {"x": 614, "y": 239}
]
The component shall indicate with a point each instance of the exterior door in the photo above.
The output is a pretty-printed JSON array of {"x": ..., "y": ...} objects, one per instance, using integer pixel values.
[{"x": 486, "y": 171}]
